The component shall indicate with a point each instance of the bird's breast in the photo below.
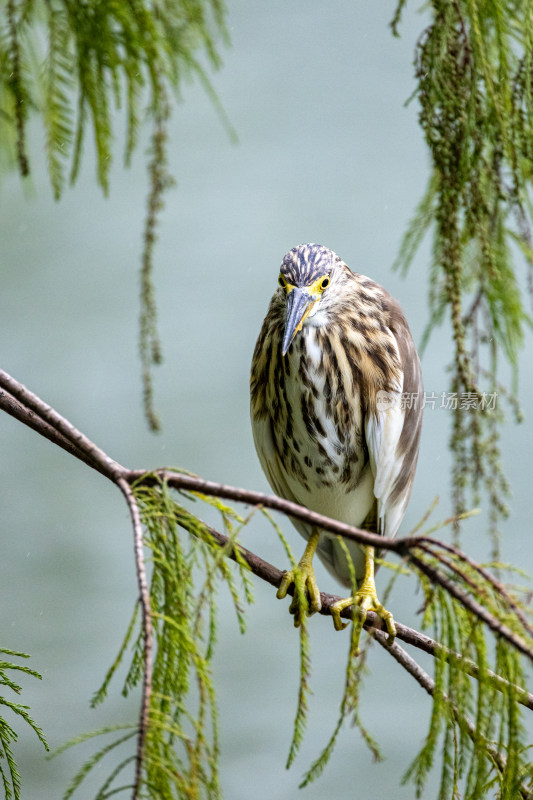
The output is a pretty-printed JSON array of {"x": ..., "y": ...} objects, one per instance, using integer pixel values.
[{"x": 318, "y": 429}]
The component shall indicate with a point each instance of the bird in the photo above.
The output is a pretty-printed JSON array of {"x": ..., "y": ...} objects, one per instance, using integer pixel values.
[{"x": 336, "y": 412}]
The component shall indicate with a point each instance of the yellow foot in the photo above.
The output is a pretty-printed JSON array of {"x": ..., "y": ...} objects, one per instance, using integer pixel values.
[
  {"x": 306, "y": 599},
  {"x": 365, "y": 600}
]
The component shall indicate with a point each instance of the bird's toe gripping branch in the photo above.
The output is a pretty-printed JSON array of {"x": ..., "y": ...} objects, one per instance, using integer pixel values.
[
  {"x": 364, "y": 602},
  {"x": 306, "y": 599},
  {"x": 365, "y": 599}
]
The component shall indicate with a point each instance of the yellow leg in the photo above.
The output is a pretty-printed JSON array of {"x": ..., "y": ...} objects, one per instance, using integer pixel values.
[
  {"x": 303, "y": 578},
  {"x": 366, "y": 599}
]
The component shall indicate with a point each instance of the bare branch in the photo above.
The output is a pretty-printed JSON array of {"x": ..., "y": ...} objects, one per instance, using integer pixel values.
[
  {"x": 19, "y": 411},
  {"x": 192, "y": 483},
  {"x": 373, "y": 624},
  {"x": 84, "y": 445},
  {"x": 401, "y": 546},
  {"x": 29, "y": 409}
]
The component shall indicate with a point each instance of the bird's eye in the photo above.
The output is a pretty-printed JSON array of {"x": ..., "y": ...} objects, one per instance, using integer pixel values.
[
  {"x": 324, "y": 283},
  {"x": 282, "y": 282}
]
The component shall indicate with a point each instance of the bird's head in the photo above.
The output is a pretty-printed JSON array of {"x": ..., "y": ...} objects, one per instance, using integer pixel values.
[{"x": 306, "y": 274}]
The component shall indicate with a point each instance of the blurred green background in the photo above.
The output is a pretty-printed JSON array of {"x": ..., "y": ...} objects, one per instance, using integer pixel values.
[{"x": 328, "y": 153}]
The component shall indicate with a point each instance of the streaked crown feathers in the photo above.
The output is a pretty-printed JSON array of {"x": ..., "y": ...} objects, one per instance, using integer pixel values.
[{"x": 302, "y": 265}]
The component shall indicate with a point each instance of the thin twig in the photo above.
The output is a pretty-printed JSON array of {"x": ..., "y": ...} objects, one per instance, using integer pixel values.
[
  {"x": 451, "y": 566},
  {"x": 465, "y": 578},
  {"x": 146, "y": 611},
  {"x": 192, "y": 483},
  {"x": 22, "y": 413},
  {"x": 472, "y": 605},
  {"x": 108, "y": 466},
  {"x": 423, "y": 679},
  {"x": 498, "y": 586}
]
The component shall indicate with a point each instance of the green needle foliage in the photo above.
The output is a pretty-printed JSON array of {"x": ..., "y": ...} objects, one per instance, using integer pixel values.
[
  {"x": 349, "y": 705},
  {"x": 304, "y": 688},
  {"x": 73, "y": 65},
  {"x": 468, "y": 749},
  {"x": 182, "y": 740},
  {"x": 476, "y": 736},
  {"x": 476, "y": 727},
  {"x": 9, "y": 774},
  {"x": 474, "y": 69}
]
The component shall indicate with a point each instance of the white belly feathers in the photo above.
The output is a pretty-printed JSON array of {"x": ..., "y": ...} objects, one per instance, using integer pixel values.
[{"x": 323, "y": 454}]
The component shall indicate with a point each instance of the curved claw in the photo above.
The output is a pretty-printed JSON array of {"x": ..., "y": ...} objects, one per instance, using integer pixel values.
[
  {"x": 287, "y": 579},
  {"x": 335, "y": 611},
  {"x": 305, "y": 586},
  {"x": 306, "y": 599},
  {"x": 365, "y": 600}
]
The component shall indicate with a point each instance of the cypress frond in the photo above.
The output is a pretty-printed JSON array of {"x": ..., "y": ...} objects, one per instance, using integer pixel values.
[
  {"x": 79, "y": 137},
  {"x": 182, "y": 740},
  {"x": 85, "y": 737},
  {"x": 17, "y": 83},
  {"x": 349, "y": 706},
  {"x": 423, "y": 762},
  {"x": 56, "y": 107},
  {"x": 5, "y": 783},
  {"x": 160, "y": 181},
  {"x": 92, "y": 762},
  {"x": 103, "y": 791},
  {"x": 12, "y": 782},
  {"x": 417, "y": 229},
  {"x": 100, "y": 695},
  {"x": 304, "y": 688},
  {"x": 467, "y": 714},
  {"x": 244, "y": 572},
  {"x": 473, "y": 72},
  {"x": 478, "y": 767},
  {"x": 8, "y": 735},
  {"x": 227, "y": 575},
  {"x": 281, "y": 537},
  {"x": 103, "y": 57},
  {"x": 318, "y": 766},
  {"x": 302, "y": 708}
]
